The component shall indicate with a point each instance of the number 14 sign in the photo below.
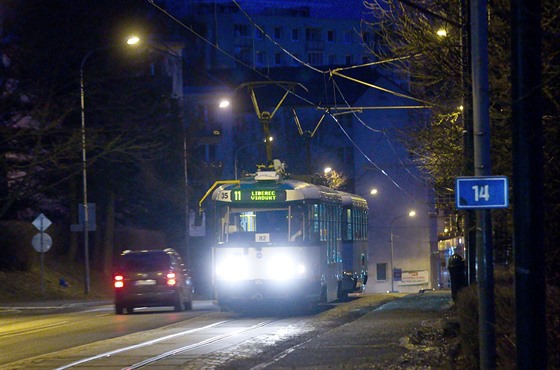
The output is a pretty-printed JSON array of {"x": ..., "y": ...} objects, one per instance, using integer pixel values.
[{"x": 481, "y": 192}]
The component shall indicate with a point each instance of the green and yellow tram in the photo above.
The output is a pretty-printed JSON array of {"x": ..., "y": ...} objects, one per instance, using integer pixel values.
[{"x": 287, "y": 240}]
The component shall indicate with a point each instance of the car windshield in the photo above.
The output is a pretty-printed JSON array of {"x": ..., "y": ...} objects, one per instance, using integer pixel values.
[{"x": 145, "y": 262}]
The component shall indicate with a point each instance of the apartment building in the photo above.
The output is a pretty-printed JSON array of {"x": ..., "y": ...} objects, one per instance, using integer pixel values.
[{"x": 299, "y": 41}]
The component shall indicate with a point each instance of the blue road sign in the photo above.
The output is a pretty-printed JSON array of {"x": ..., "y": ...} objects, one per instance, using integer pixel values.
[{"x": 481, "y": 192}]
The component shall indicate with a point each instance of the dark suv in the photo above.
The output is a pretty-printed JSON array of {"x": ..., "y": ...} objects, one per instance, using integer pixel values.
[{"x": 151, "y": 278}]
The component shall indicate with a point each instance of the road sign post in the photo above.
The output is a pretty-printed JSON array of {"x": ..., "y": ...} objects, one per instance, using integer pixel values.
[
  {"x": 483, "y": 193},
  {"x": 42, "y": 243}
]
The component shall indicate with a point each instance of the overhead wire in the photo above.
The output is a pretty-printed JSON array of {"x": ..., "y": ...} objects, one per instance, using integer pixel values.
[
  {"x": 386, "y": 137},
  {"x": 329, "y": 73}
]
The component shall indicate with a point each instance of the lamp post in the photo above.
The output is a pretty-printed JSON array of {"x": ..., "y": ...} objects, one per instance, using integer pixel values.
[
  {"x": 84, "y": 172},
  {"x": 410, "y": 214},
  {"x": 131, "y": 41}
]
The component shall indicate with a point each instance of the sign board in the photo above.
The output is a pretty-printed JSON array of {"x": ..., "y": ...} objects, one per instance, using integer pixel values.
[
  {"x": 79, "y": 227},
  {"x": 397, "y": 274},
  {"x": 414, "y": 277},
  {"x": 42, "y": 223},
  {"x": 481, "y": 192},
  {"x": 257, "y": 196},
  {"x": 262, "y": 238},
  {"x": 42, "y": 242}
]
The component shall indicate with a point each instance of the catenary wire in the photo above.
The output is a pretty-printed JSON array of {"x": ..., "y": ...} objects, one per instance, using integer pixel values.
[{"x": 328, "y": 72}]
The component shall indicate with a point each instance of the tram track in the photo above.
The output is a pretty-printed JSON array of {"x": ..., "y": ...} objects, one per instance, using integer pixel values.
[{"x": 187, "y": 344}]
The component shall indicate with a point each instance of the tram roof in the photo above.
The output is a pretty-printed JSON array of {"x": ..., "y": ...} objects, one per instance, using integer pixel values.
[{"x": 296, "y": 190}]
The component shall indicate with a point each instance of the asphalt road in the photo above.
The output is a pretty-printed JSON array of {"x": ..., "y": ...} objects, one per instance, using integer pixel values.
[
  {"x": 359, "y": 335},
  {"x": 368, "y": 332}
]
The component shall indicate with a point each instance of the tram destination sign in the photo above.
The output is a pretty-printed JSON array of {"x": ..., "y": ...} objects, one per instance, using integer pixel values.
[
  {"x": 478, "y": 192},
  {"x": 253, "y": 195}
]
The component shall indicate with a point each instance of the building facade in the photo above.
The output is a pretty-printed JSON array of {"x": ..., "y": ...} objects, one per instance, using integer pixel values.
[{"x": 314, "y": 127}]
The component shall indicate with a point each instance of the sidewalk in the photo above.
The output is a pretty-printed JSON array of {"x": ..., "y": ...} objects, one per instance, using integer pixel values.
[
  {"x": 408, "y": 332},
  {"x": 381, "y": 339},
  {"x": 10, "y": 307}
]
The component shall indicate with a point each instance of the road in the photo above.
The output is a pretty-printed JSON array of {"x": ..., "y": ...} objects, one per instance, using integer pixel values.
[{"x": 207, "y": 338}]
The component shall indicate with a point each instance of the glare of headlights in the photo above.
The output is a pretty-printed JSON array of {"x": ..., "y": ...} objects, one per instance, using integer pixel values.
[
  {"x": 284, "y": 268},
  {"x": 233, "y": 268}
]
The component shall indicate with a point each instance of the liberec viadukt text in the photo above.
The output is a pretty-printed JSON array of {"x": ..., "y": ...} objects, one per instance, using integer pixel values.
[{"x": 263, "y": 195}]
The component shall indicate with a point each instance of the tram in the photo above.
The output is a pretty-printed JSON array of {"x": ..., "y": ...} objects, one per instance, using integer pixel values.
[{"x": 287, "y": 240}]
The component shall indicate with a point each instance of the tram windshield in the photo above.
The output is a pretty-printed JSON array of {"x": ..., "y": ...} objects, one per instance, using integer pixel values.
[{"x": 282, "y": 224}]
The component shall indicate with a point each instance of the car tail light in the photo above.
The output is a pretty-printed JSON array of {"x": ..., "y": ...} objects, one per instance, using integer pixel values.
[
  {"x": 171, "y": 279},
  {"x": 118, "y": 281}
]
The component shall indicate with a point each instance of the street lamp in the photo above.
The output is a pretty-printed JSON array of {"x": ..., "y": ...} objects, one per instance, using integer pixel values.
[
  {"x": 224, "y": 103},
  {"x": 131, "y": 41},
  {"x": 410, "y": 214}
]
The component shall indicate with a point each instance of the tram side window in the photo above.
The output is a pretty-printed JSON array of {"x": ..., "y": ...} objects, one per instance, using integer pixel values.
[
  {"x": 359, "y": 221},
  {"x": 313, "y": 216},
  {"x": 364, "y": 221},
  {"x": 347, "y": 224},
  {"x": 332, "y": 225},
  {"x": 338, "y": 222},
  {"x": 322, "y": 222}
]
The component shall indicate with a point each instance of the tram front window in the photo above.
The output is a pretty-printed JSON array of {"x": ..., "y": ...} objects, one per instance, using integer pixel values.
[{"x": 268, "y": 221}]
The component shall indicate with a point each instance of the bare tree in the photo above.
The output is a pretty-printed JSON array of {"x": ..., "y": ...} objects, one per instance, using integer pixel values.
[{"x": 407, "y": 34}]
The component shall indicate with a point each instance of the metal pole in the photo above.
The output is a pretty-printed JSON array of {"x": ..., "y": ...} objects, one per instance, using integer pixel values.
[
  {"x": 392, "y": 268},
  {"x": 265, "y": 120},
  {"x": 187, "y": 198},
  {"x": 42, "y": 262},
  {"x": 481, "y": 130},
  {"x": 84, "y": 168},
  {"x": 392, "y": 252},
  {"x": 528, "y": 184},
  {"x": 84, "y": 176},
  {"x": 468, "y": 150}
]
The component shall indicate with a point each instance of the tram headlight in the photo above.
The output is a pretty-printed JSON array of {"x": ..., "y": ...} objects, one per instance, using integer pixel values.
[
  {"x": 284, "y": 268},
  {"x": 232, "y": 268}
]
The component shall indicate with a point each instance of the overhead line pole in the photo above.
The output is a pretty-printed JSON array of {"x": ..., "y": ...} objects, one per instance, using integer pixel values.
[
  {"x": 528, "y": 183},
  {"x": 468, "y": 150},
  {"x": 483, "y": 167}
]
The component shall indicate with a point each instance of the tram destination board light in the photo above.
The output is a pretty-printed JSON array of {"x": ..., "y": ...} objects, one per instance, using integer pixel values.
[
  {"x": 263, "y": 195},
  {"x": 481, "y": 192}
]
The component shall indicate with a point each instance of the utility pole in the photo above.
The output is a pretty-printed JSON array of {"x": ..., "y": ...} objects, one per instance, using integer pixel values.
[
  {"x": 468, "y": 150},
  {"x": 528, "y": 184},
  {"x": 483, "y": 167}
]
